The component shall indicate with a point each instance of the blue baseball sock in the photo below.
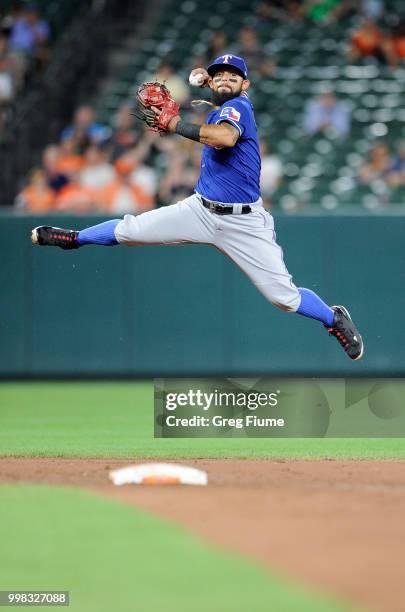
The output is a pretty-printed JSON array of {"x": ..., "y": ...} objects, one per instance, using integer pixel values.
[
  {"x": 312, "y": 306},
  {"x": 103, "y": 234}
]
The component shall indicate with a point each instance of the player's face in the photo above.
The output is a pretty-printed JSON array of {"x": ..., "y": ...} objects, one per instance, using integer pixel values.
[{"x": 225, "y": 85}]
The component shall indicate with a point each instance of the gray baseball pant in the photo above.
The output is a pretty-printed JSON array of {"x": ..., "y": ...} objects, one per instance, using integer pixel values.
[{"x": 248, "y": 240}]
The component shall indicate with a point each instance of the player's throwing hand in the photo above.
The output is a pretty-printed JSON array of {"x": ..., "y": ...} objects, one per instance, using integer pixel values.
[{"x": 199, "y": 77}]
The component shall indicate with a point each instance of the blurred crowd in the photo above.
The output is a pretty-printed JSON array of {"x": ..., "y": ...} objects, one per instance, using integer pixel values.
[
  {"x": 24, "y": 38},
  {"x": 385, "y": 46},
  {"x": 123, "y": 169},
  {"x": 97, "y": 168},
  {"x": 368, "y": 40},
  {"x": 326, "y": 115}
]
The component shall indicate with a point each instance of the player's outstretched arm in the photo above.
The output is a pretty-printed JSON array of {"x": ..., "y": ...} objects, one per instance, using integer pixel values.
[{"x": 218, "y": 135}]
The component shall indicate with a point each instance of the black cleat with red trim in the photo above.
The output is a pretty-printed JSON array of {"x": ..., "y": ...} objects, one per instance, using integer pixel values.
[
  {"x": 45, "y": 235},
  {"x": 346, "y": 333}
]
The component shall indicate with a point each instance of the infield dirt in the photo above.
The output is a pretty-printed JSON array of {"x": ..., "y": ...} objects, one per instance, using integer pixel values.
[{"x": 338, "y": 526}]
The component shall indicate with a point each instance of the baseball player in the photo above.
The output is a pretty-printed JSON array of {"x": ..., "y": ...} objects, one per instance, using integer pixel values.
[{"x": 225, "y": 210}]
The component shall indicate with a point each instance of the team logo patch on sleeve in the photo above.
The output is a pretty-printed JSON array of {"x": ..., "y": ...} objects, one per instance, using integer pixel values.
[{"x": 230, "y": 113}]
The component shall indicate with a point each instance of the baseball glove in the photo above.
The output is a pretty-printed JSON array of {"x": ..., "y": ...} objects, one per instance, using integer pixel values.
[{"x": 158, "y": 96}]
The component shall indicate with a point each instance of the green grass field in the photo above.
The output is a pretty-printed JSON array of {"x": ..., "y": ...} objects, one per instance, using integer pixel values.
[
  {"x": 112, "y": 557},
  {"x": 116, "y": 420}
]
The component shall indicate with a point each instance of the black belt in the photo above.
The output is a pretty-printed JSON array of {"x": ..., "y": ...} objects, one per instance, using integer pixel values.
[{"x": 224, "y": 209}]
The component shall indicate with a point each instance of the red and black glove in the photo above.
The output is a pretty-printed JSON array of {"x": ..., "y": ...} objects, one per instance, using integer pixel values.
[{"x": 155, "y": 95}]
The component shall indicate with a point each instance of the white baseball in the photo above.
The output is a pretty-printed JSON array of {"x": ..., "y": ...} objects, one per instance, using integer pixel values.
[{"x": 196, "y": 80}]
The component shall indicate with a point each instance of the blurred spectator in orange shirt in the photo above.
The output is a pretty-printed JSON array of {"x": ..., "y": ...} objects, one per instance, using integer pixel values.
[
  {"x": 37, "y": 197},
  {"x": 368, "y": 41},
  {"x": 74, "y": 198},
  {"x": 69, "y": 161},
  {"x": 122, "y": 195},
  {"x": 395, "y": 44}
]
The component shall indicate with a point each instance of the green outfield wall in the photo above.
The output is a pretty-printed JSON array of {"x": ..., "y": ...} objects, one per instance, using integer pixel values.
[{"x": 188, "y": 310}]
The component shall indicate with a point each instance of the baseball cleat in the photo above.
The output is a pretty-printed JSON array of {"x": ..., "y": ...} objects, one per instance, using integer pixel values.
[
  {"x": 346, "y": 333},
  {"x": 45, "y": 235}
]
